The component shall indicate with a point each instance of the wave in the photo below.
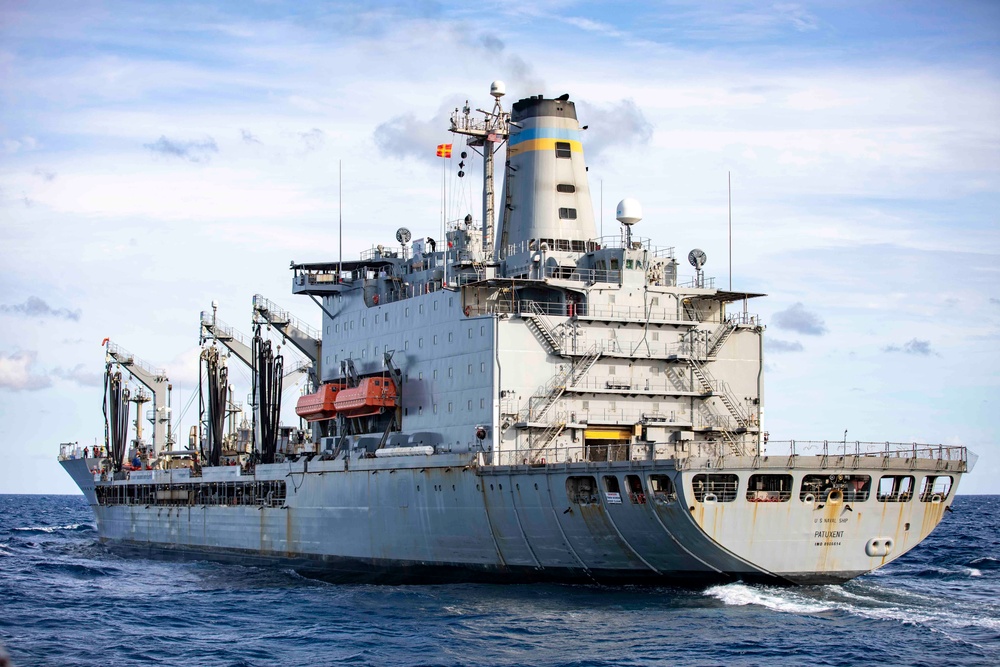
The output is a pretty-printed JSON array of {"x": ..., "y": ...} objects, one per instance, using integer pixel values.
[
  {"x": 776, "y": 599},
  {"x": 42, "y": 530},
  {"x": 78, "y": 570},
  {"x": 912, "y": 609}
]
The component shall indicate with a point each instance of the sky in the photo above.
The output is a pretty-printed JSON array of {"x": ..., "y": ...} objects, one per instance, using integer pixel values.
[{"x": 157, "y": 156}]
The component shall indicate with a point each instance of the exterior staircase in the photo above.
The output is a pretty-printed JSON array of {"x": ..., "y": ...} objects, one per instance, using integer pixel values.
[{"x": 719, "y": 337}]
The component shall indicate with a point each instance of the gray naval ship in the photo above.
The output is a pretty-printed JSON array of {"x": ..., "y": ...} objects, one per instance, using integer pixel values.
[{"x": 519, "y": 401}]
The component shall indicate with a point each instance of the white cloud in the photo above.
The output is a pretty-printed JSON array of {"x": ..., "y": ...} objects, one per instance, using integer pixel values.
[{"x": 17, "y": 374}]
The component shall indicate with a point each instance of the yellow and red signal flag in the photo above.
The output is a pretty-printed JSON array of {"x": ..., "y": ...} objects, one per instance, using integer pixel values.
[{"x": 444, "y": 150}]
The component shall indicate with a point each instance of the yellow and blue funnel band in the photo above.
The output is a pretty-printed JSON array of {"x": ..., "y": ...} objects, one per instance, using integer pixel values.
[{"x": 544, "y": 138}]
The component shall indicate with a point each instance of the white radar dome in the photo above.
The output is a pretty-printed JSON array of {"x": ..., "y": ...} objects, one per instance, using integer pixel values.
[
  {"x": 629, "y": 211},
  {"x": 498, "y": 89}
]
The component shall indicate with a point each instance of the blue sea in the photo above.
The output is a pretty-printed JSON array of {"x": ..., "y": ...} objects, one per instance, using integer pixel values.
[{"x": 67, "y": 600}]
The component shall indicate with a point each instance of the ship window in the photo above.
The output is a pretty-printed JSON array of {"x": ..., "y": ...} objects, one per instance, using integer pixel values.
[
  {"x": 849, "y": 488},
  {"x": 336, "y": 328},
  {"x": 435, "y": 339},
  {"x": 721, "y": 487},
  {"x": 482, "y": 366},
  {"x": 451, "y": 372},
  {"x": 420, "y": 342},
  {"x": 470, "y": 332},
  {"x": 482, "y": 403},
  {"x": 611, "y": 484},
  {"x": 421, "y": 309},
  {"x": 364, "y": 321},
  {"x": 449, "y": 406},
  {"x": 578, "y": 246},
  {"x": 451, "y": 301},
  {"x": 378, "y": 383},
  {"x": 482, "y": 331},
  {"x": 563, "y": 244},
  {"x": 470, "y": 369},
  {"x": 895, "y": 489},
  {"x": 563, "y": 149},
  {"x": 451, "y": 337},
  {"x": 470, "y": 404},
  {"x": 435, "y": 408},
  {"x": 385, "y": 317},
  {"x": 420, "y": 375},
  {"x": 628, "y": 263},
  {"x": 582, "y": 489},
  {"x": 769, "y": 488},
  {"x": 406, "y": 345},
  {"x": 420, "y": 409},
  {"x": 614, "y": 266},
  {"x": 567, "y": 214},
  {"x": 566, "y": 187},
  {"x": 936, "y": 488},
  {"x": 435, "y": 305},
  {"x": 656, "y": 335},
  {"x": 435, "y": 374},
  {"x": 655, "y": 301},
  {"x": 662, "y": 488},
  {"x": 406, "y": 311},
  {"x": 634, "y": 487}
]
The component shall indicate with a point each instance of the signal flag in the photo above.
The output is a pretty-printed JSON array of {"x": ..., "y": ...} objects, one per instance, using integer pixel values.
[{"x": 444, "y": 150}]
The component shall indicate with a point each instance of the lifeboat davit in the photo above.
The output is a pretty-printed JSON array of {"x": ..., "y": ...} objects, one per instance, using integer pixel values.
[
  {"x": 370, "y": 397},
  {"x": 320, "y": 405}
]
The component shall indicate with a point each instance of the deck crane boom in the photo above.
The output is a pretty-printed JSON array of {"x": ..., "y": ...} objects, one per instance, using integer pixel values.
[
  {"x": 213, "y": 328},
  {"x": 305, "y": 338},
  {"x": 154, "y": 379}
]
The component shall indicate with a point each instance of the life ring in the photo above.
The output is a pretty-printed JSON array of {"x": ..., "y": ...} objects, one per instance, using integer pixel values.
[
  {"x": 468, "y": 310},
  {"x": 375, "y": 299}
]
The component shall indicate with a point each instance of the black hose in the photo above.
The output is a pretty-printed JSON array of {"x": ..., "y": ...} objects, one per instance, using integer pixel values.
[
  {"x": 218, "y": 381},
  {"x": 267, "y": 385},
  {"x": 116, "y": 399}
]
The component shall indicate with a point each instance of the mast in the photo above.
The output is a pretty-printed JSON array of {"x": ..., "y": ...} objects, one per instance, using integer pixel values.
[{"x": 489, "y": 133}]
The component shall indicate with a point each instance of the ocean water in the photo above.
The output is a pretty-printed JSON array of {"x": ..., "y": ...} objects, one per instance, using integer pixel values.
[{"x": 66, "y": 600}]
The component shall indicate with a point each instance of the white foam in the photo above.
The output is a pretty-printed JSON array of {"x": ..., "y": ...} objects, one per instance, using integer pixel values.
[
  {"x": 51, "y": 529},
  {"x": 776, "y": 599}
]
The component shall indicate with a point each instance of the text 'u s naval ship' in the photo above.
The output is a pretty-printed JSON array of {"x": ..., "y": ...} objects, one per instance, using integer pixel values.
[{"x": 520, "y": 401}]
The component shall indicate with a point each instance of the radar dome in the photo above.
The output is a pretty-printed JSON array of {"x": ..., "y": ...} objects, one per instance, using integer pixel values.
[
  {"x": 629, "y": 211},
  {"x": 498, "y": 89}
]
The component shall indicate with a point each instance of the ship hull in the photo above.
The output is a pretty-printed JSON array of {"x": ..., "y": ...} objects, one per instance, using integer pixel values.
[{"x": 446, "y": 519}]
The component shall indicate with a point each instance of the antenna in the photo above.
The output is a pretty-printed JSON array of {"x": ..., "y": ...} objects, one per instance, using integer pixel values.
[
  {"x": 729, "y": 176},
  {"x": 340, "y": 224},
  {"x": 403, "y": 236},
  {"x": 697, "y": 258}
]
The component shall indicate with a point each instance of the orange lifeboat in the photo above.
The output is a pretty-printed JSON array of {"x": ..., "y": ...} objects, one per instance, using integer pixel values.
[
  {"x": 320, "y": 405},
  {"x": 370, "y": 397}
]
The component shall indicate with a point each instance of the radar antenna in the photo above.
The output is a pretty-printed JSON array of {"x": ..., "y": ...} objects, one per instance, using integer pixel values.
[
  {"x": 697, "y": 258},
  {"x": 489, "y": 133}
]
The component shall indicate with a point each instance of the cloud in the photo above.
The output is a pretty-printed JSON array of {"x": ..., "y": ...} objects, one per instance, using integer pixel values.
[
  {"x": 778, "y": 346},
  {"x": 79, "y": 375},
  {"x": 406, "y": 136},
  {"x": 797, "y": 318},
  {"x": 618, "y": 124},
  {"x": 913, "y": 346},
  {"x": 45, "y": 174},
  {"x": 249, "y": 137},
  {"x": 15, "y": 372},
  {"x": 519, "y": 76},
  {"x": 11, "y": 146},
  {"x": 995, "y": 301},
  {"x": 313, "y": 139},
  {"x": 35, "y": 307},
  {"x": 193, "y": 151}
]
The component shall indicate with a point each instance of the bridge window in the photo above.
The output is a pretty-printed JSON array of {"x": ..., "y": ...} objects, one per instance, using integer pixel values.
[
  {"x": 567, "y": 214},
  {"x": 769, "y": 488},
  {"x": 823, "y": 488},
  {"x": 582, "y": 490},
  {"x": 662, "y": 488},
  {"x": 563, "y": 149},
  {"x": 566, "y": 187},
  {"x": 936, "y": 488},
  {"x": 634, "y": 487},
  {"x": 895, "y": 488},
  {"x": 718, "y": 487}
]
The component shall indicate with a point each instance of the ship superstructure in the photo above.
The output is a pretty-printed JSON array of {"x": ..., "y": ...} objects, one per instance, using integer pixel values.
[{"x": 525, "y": 400}]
